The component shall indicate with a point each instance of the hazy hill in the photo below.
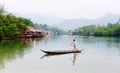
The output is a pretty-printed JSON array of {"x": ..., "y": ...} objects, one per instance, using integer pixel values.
[
  {"x": 75, "y": 23},
  {"x": 42, "y": 19},
  {"x": 70, "y": 23}
]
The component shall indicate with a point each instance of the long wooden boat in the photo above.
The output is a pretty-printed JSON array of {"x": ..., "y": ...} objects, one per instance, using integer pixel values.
[{"x": 61, "y": 51}]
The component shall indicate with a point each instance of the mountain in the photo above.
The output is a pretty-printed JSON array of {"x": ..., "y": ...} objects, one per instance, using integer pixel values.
[
  {"x": 42, "y": 19},
  {"x": 75, "y": 23},
  {"x": 69, "y": 24}
]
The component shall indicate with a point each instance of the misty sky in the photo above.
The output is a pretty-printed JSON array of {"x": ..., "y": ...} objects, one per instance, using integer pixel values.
[{"x": 64, "y": 8}]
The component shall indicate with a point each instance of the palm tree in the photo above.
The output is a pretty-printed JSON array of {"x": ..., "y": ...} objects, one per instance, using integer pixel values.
[{"x": 2, "y": 8}]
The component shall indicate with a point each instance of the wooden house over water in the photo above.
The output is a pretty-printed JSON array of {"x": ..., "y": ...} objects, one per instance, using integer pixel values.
[{"x": 33, "y": 33}]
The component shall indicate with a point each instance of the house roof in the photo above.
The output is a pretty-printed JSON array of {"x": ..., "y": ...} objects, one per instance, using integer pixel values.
[{"x": 30, "y": 28}]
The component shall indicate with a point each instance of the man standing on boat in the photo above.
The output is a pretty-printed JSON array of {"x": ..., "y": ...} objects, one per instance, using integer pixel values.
[{"x": 74, "y": 45}]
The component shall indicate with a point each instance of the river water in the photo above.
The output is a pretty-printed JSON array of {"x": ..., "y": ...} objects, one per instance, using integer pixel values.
[{"x": 99, "y": 55}]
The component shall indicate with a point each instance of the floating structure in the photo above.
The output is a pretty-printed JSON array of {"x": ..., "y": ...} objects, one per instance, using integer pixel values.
[{"x": 33, "y": 33}]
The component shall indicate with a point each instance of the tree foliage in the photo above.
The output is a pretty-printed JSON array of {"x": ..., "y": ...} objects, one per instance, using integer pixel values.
[
  {"x": 109, "y": 30},
  {"x": 12, "y": 26}
]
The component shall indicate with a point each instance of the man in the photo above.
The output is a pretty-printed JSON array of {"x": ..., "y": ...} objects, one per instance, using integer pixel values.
[{"x": 74, "y": 45}]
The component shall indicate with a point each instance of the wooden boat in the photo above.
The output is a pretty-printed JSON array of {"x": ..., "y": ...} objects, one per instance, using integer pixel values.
[{"x": 61, "y": 51}]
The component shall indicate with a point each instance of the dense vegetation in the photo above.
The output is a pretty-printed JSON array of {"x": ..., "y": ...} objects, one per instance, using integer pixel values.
[
  {"x": 109, "y": 30},
  {"x": 12, "y": 26}
]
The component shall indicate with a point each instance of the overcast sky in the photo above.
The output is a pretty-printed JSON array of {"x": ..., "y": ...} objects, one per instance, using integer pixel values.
[{"x": 64, "y": 8}]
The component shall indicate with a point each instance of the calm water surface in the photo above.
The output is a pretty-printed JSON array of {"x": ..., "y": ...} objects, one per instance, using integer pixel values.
[{"x": 99, "y": 55}]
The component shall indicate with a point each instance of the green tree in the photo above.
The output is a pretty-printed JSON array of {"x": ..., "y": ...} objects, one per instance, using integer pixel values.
[
  {"x": 1, "y": 32},
  {"x": 12, "y": 26},
  {"x": 108, "y": 30},
  {"x": 13, "y": 30},
  {"x": 28, "y": 22}
]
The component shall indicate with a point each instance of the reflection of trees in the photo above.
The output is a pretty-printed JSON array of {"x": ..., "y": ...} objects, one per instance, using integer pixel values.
[
  {"x": 11, "y": 50},
  {"x": 109, "y": 41}
]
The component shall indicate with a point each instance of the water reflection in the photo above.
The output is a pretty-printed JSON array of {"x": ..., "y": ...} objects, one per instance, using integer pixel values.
[
  {"x": 73, "y": 58},
  {"x": 31, "y": 41},
  {"x": 104, "y": 42},
  {"x": 100, "y": 54},
  {"x": 10, "y": 50}
]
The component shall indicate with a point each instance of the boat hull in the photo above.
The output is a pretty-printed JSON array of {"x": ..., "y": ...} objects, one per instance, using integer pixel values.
[{"x": 61, "y": 52}]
